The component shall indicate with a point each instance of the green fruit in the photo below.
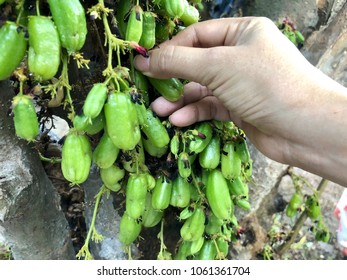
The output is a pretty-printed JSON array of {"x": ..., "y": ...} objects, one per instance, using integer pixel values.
[
  {"x": 170, "y": 89},
  {"x": 194, "y": 226},
  {"x": 238, "y": 187},
  {"x": 217, "y": 193},
  {"x": 12, "y": 48},
  {"x": 76, "y": 157},
  {"x": 81, "y": 123},
  {"x": 155, "y": 130},
  {"x": 121, "y": 121},
  {"x": 70, "y": 19},
  {"x": 111, "y": 176},
  {"x": 242, "y": 150},
  {"x": 161, "y": 195},
  {"x": 209, "y": 158},
  {"x": 151, "y": 217},
  {"x": 153, "y": 150},
  {"x": 214, "y": 224},
  {"x": 295, "y": 201},
  {"x": 135, "y": 25},
  {"x": 208, "y": 251},
  {"x": 174, "y": 8},
  {"x": 44, "y": 48},
  {"x": 148, "y": 31},
  {"x": 230, "y": 161},
  {"x": 105, "y": 153},
  {"x": 313, "y": 207},
  {"x": 25, "y": 119},
  {"x": 136, "y": 192},
  {"x": 200, "y": 141},
  {"x": 122, "y": 11},
  {"x": 190, "y": 15},
  {"x": 242, "y": 202},
  {"x": 129, "y": 229},
  {"x": 95, "y": 101},
  {"x": 290, "y": 212},
  {"x": 180, "y": 196},
  {"x": 184, "y": 165},
  {"x": 223, "y": 247}
]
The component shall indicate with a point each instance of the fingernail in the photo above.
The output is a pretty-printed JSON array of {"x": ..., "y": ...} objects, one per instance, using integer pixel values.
[{"x": 141, "y": 63}]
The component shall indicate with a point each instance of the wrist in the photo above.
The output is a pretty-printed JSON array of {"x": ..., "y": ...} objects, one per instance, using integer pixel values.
[{"x": 319, "y": 141}]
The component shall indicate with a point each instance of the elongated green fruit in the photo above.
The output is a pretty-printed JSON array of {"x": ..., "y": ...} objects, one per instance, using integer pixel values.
[
  {"x": 151, "y": 217},
  {"x": 230, "y": 161},
  {"x": 111, "y": 176},
  {"x": 200, "y": 141},
  {"x": 123, "y": 8},
  {"x": 76, "y": 157},
  {"x": 121, "y": 121},
  {"x": 70, "y": 19},
  {"x": 153, "y": 150},
  {"x": 135, "y": 199},
  {"x": 180, "y": 196},
  {"x": 95, "y": 100},
  {"x": 161, "y": 195},
  {"x": 155, "y": 130},
  {"x": 209, "y": 158},
  {"x": 12, "y": 48},
  {"x": 175, "y": 8},
  {"x": 237, "y": 186},
  {"x": 175, "y": 145},
  {"x": 82, "y": 123},
  {"x": 218, "y": 196},
  {"x": 194, "y": 226},
  {"x": 148, "y": 32},
  {"x": 208, "y": 251},
  {"x": 25, "y": 119},
  {"x": 135, "y": 25},
  {"x": 44, "y": 48},
  {"x": 184, "y": 165},
  {"x": 214, "y": 225},
  {"x": 242, "y": 150},
  {"x": 170, "y": 89},
  {"x": 105, "y": 153},
  {"x": 190, "y": 15},
  {"x": 129, "y": 229},
  {"x": 295, "y": 201}
]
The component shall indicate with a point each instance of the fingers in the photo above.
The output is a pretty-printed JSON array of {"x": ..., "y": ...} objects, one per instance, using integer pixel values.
[
  {"x": 205, "y": 109},
  {"x": 211, "y": 33},
  {"x": 189, "y": 54},
  {"x": 193, "y": 92},
  {"x": 179, "y": 62}
]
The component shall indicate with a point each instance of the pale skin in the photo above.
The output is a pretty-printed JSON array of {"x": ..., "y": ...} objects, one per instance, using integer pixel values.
[{"x": 245, "y": 70}]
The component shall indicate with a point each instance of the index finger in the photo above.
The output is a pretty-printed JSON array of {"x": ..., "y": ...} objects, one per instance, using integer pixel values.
[{"x": 210, "y": 33}]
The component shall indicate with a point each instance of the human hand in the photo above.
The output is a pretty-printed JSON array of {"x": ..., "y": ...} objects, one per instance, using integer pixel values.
[{"x": 247, "y": 71}]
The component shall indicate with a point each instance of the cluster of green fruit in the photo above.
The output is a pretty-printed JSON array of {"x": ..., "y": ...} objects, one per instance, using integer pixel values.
[
  {"x": 310, "y": 204},
  {"x": 203, "y": 170}
]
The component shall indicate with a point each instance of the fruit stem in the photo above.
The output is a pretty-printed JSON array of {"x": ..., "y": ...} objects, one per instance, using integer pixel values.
[{"x": 92, "y": 232}]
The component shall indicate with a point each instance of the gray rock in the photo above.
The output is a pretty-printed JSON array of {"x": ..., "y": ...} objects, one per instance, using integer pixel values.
[
  {"x": 303, "y": 13},
  {"x": 31, "y": 221},
  {"x": 107, "y": 222}
]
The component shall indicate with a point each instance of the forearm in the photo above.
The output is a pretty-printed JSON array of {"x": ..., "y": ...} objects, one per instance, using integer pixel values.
[{"x": 320, "y": 144}]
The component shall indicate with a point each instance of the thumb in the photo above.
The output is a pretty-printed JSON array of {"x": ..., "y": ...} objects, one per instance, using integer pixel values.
[{"x": 187, "y": 63}]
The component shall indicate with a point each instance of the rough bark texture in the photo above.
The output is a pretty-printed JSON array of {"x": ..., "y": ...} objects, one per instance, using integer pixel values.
[{"x": 31, "y": 221}]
